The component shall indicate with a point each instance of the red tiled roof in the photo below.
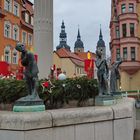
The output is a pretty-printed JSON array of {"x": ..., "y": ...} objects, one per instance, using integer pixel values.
[
  {"x": 77, "y": 62},
  {"x": 83, "y": 55},
  {"x": 63, "y": 53}
]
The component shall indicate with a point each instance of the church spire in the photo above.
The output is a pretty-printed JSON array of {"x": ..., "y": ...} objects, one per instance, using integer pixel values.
[
  {"x": 63, "y": 38},
  {"x": 78, "y": 36},
  {"x": 101, "y": 44},
  {"x": 79, "y": 46},
  {"x": 63, "y": 35},
  {"x": 100, "y": 36}
]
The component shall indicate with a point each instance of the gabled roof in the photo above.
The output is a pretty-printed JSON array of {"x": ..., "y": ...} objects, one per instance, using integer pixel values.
[{"x": 63, "y": 53}]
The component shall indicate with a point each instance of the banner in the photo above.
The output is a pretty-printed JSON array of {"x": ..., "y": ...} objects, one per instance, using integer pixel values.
[
  {"x": 89, "y": 67},
  {"x": 4, "y": 68}
]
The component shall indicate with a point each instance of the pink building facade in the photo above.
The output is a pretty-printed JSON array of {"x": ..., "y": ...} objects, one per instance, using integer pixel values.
[{"x": 125, "y": 41}]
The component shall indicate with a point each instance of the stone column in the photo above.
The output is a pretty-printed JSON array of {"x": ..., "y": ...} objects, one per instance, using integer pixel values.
[{"x": 43, "y": 35}]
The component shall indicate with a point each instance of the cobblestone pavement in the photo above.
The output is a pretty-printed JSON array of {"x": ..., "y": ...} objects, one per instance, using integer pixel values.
[{"x": 137, "y": 132}]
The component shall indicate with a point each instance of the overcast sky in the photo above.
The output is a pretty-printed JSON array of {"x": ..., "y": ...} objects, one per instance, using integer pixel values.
[{"x": 88, "y": 14}]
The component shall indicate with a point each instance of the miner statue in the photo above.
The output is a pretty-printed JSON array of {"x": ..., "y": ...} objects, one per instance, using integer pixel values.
[{"x": 31, "y": 71}]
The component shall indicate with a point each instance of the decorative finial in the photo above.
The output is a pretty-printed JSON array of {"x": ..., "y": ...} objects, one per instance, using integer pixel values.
[
  {"x": 100, "y": 36},
  {"x": 78, "y": 26},
  {"x": 63, "y": 25},
  {"x": 78, "y": 36}
]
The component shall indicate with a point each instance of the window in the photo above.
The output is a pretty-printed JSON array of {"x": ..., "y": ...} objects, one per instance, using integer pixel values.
[
  {"x": 125, "y": 53},
  {"x": 131, "y": 7},
  {"x": 7, "y": 54},
  {"x": 117, "y": 54},
  {"x": 16, "y": 32},
  {"x": 8, "y": 5},
  {"x": 16, "y": 8},
  {"x": 132, "y": 29},
  {"x": 78, "y": 70},
  {"x": 30, "y": 39},
  {"x": 123, "y": 8},
  {"x": 133, "y": 53},
  {"x": 7, "y": 29},
  {"x": 124, "y": 31},
  {"x": 26, "y": 18},
  {"x": 15, "y": 57},
  {"x": 32, "y": 21},
  {"x": 24, "y": 37},
  {"x": 117, "y": 32}
]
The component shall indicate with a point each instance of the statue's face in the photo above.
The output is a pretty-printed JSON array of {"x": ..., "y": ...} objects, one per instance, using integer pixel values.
[{"x": 20, "y": 47}]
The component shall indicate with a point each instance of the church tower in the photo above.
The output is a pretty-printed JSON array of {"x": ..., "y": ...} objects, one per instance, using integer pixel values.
[
  {"x": 79, "y": 46},
  {"x": 63, "y": 38},
  {"x": 101, "y": 45}
]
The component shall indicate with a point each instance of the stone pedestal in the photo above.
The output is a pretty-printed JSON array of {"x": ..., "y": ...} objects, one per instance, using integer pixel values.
[
  {"x": 105, "y": 100},
  {"x": 43, "y": 35},
  {"x": 115, "y": 122},
  {"x": 117, "y": 95},
  {"x": 28, "y": 104}
]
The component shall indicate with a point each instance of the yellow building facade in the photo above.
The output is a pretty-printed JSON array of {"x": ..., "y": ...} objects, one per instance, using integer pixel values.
[{"x": 69, "y": 63}]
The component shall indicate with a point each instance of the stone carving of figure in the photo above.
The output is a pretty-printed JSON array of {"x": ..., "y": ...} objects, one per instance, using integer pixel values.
[
  {"x": 102, "y": 73},
  {"x": 31, "y": 70},
  {"x": 114, "y": 76}
]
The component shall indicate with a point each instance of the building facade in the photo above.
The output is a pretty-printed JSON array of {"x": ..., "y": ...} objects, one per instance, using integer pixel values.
[
  {"x": 125, "y": 41},
  {"x": 68, "y": 62},
  {"x": 16, "y": 25}
]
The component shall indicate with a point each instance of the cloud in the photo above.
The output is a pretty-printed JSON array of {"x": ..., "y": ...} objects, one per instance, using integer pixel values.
[{"x": 89, "y": 14}]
